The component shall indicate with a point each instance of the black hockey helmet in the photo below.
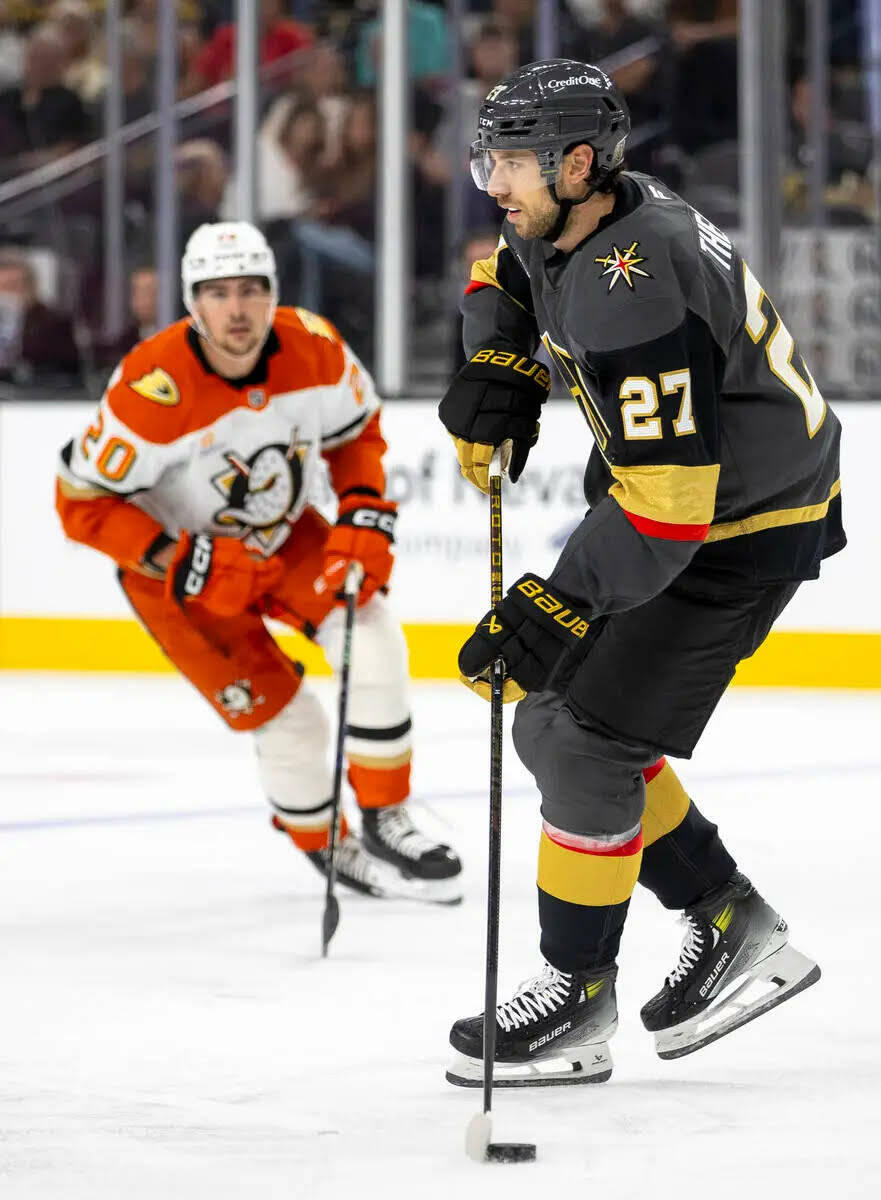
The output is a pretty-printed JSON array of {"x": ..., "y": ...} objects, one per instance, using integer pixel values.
[{"x": 547, "y": 107}]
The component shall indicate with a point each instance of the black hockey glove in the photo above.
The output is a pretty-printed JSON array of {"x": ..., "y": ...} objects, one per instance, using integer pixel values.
[
  {"x": 495, "y": 398},
  {"x": 531, "y": 630}
]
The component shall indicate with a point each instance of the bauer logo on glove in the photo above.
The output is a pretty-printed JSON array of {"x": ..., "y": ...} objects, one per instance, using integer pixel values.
[
  {"x": 494, "y": 400},
  {"x": 531, "y": 630}
]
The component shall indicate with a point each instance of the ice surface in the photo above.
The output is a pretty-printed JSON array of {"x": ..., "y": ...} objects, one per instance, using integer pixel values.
[{"x": 168, "y": 1030}]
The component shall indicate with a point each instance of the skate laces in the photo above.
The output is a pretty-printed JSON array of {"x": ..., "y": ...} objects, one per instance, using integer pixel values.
[
  {"x": 535, "y": 998},
  {"x": 397, "y": 830},
  {"x": 691, "y": 950},
  {"x": 352, "y": 860}
]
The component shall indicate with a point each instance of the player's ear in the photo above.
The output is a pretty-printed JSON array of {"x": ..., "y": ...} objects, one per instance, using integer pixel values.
[{"x": 578, "y": 162}]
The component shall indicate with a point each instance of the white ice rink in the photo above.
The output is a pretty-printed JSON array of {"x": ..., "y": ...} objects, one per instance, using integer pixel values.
[{"x": 167, "y": 1029}]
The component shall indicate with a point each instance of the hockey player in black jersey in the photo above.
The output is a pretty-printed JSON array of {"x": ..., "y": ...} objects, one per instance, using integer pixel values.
[{"x": 713, "y": 488}]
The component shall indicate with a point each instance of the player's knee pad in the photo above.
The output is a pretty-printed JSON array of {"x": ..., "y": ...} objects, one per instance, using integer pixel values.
[
  {"x": 292, "y": 760},
  {"x": 379, "y": 702},
  {"x": 591, "y": 783}
]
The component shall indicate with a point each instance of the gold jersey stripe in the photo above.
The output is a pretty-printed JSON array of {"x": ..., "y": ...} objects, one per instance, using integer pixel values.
[
  {"x": 773, "y": 520},
  {"x": 590, "y": 879},
  {"x": 485, "y": 270},
  {"x": 670, "y": 494},
  {"x": 666, "y": 803}
]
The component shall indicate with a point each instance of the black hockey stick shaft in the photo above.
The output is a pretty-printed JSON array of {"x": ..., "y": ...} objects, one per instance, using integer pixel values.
[
  {"x": 497, "y": 680},
  {"x": 331, "y": 918}
]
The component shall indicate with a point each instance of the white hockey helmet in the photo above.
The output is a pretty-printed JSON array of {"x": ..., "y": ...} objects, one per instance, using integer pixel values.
[{"x": 226, "y": 250}]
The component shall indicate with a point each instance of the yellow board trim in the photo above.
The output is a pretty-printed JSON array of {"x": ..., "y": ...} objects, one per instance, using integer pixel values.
[
  {"x": 589, "y": 879},
  {"x": 830, "y": 659}
]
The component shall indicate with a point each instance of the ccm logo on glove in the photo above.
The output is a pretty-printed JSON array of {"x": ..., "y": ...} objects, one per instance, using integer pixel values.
[
  {"x": 364, "y": 533},
  {"x": 219, "y": 574},
  {"x": 201, "y": 555},
  {"x": 371, "y": 518}
]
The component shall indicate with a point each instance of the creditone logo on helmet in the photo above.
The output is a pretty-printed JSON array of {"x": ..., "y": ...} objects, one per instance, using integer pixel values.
[{"x": 572, "y": 81}]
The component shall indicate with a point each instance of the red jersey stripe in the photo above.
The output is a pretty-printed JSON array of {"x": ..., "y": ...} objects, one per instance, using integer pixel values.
[{"x": 666, "y": 529}]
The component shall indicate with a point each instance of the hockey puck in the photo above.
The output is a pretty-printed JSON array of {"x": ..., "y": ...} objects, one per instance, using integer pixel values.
[{"x": 510, "y": 1152}]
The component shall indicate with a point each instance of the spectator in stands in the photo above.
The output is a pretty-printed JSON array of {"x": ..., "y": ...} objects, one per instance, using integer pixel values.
[
  {"x": 86, "y": 72},
  {"x": 202, "y": 181},
  {"x": 849, "y": 195},
  {"x": 321, "y": 76},
  {"x": 10, "y": 49},
  {"x": 492, "y": 54},
  {"x": 142, "y": 23},
  {"x": 616, "y": 29},
  {"x": 290, "y": 149},
  {"x": 429, "y": 45},
  {"x": 143, "y": 301},
  {"x": 37, "y": 343},
  {"x": 279, "y": 37},
  {"x": 40, "y": 119},
  {"x": 704, "y": 100},
  {"x": 479, "y": 244}
]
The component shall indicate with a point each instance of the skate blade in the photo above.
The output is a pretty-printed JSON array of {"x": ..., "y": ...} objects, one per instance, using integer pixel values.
[
  {"x": 577, "y": 1064},
  {"x": 768, "y": 983},
  {"x": 389, "y": 884}
]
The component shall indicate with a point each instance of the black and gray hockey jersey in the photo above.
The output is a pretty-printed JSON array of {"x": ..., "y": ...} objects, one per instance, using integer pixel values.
[{"x": 714, "y": 448}]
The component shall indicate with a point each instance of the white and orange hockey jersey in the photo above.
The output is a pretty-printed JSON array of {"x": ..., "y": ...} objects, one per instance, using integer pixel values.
[{"x": 175, "y": 446}]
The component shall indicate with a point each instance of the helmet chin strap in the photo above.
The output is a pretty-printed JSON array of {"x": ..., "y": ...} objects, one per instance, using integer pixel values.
[{"x": 565, "y": 205}]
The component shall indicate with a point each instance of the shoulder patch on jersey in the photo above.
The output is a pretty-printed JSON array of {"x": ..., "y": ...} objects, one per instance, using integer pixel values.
[
  {"x": 622, "y": 265},
  {"x": 313, "y": 323},
  {"x": 158, "y": 386}
]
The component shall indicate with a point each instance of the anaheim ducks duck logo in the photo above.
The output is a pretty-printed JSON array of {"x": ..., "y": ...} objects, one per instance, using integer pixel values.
[
  {"x": 237, "y": 699},
  {"x": 261, "y": 493}
]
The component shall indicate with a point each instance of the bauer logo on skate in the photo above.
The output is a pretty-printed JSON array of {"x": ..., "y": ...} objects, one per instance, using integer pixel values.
[{"x": 549, "y": 1037}]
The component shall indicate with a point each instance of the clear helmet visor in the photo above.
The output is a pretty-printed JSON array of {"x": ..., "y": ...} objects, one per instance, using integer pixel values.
[{"x": 511, "y": 170}]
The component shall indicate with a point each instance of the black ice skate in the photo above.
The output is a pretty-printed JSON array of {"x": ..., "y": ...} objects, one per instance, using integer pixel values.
[
  {"x": 355, "y": 868},
  {"x": 428, "y": 870},
  {"x": 735, "y": 964},
  {"x": 553, "y": 1030}
]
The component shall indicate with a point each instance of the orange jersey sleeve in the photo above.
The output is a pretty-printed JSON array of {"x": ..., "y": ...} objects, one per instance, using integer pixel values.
[
  {"x": 125, "y": 450},
  {"x": 357, "y": 465}
]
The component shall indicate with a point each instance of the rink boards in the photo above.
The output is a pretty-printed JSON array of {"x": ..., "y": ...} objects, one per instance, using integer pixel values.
[{"x": 61, "y": 608}]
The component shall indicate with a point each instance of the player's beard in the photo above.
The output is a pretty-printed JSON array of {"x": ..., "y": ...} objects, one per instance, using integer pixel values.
[{"x": 539, "y": 220}]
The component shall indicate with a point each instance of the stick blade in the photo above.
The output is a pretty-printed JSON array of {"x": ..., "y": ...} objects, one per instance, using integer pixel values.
[
  {"x": 477, "y": 1136},
  {"x": 510, "y": 1152},
  {"x": 329, "y": 923}
]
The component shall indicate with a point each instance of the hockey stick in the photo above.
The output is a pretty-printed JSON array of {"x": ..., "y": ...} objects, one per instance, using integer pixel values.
[
  {"x": 477, "y": 1136},
  {"x": 331, "y": 918}
]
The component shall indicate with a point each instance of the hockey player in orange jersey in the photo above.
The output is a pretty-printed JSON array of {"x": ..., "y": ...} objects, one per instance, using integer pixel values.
[{"x": 197, "y": 477}]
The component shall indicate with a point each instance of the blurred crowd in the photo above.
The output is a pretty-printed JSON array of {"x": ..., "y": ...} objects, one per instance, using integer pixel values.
[{"x": 316, "y": 153}]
